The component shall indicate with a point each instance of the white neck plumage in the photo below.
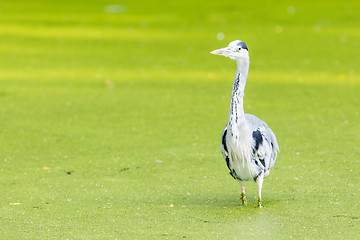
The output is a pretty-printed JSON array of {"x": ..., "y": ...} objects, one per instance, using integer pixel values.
[
  {"x": 237, "y": 125},
  {"x": 236, "y": 114}
]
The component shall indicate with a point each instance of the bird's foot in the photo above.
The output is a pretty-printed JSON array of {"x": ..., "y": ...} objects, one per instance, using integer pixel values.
[
  {"x": 243, "y": 199},
  {"x": 259, "y": 203}
]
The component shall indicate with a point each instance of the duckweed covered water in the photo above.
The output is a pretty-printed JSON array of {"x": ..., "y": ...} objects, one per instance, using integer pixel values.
[{"x": 112, "y": 112}]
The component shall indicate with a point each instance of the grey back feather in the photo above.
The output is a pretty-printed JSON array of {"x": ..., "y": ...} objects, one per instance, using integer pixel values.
[{"x": 256, "y": 123}]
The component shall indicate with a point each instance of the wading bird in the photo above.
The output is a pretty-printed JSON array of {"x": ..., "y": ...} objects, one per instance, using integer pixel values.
[{"x": 248, "y": 145}]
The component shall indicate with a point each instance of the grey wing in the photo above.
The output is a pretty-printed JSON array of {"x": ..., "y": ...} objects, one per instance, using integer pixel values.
[
  {"x": 224, "y": 149},
  {"x": 265, "y": 146}
]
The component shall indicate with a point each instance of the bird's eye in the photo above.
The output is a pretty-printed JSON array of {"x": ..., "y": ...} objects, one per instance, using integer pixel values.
[{"x": 239, "y": 48}]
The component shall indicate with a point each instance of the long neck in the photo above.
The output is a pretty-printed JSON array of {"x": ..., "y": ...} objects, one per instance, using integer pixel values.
[{"x": 236, "y": 114}]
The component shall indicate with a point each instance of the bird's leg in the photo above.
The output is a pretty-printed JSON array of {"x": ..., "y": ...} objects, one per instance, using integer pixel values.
[
  {"x": 259, "y": 181},
  {"x": 243, "y": 196}
]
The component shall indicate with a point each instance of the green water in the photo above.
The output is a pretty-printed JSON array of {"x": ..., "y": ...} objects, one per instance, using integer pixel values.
[{"x": 111, "y": 115}]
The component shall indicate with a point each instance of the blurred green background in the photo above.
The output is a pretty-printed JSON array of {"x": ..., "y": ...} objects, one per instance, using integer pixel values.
[{"x": 111, "y": 114}]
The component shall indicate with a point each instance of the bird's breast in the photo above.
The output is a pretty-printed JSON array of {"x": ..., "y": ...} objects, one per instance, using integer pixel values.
[{"x": 240, "y": 152}]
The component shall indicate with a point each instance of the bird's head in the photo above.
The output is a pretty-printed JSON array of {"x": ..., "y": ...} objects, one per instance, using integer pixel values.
[{"x": 236, "y": 50}]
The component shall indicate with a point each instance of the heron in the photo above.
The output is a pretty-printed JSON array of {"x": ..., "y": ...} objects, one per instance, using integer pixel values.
[{"x": 248, "y": 145}]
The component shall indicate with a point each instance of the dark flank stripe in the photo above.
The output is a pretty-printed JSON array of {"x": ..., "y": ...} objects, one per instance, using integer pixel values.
[
  {"x": 257, "y": 176},
  {"x": 223, "y": 140},
  {"x": 257, "y": 138},
  {"x": 227, "y": 162},
  {"x": 262, "y": 162}
]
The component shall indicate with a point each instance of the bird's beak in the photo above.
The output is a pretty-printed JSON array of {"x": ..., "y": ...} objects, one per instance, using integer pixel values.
[{"x": 222, "y": 51}]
